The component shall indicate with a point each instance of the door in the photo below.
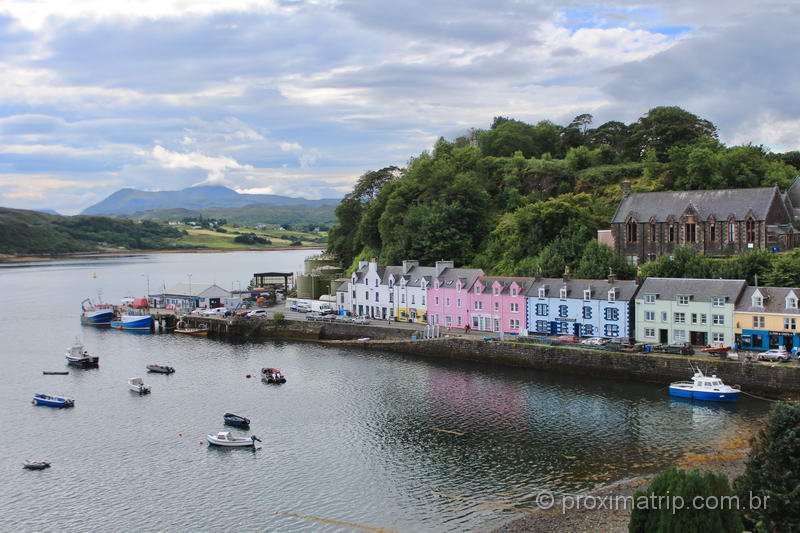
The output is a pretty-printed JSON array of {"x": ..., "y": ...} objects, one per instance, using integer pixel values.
[
  {"x": 698, "y": 338},
  {"x": 663, "y": 336},
  {"x": 497, "y": 324}
]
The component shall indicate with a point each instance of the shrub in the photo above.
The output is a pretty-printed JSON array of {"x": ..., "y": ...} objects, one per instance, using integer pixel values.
[
  {"x": 658, "y": 517},
  {"x": 773, "y": 472}
]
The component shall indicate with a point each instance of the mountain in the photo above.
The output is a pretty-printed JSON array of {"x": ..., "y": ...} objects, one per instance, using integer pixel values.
[
  {"x": 48, "y": 212},
  {"x": 130, "y": 201}
]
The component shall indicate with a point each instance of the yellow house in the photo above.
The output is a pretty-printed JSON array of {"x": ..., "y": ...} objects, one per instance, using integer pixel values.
[{"x": 768, "y": 317}]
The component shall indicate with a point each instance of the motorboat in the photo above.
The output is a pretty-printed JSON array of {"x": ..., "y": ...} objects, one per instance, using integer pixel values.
[
  {"x": 52, "y": 401},
  {"x": 78, "y": 356},
  {"x": 706, "y": 388},
  {"x": 35, "y": 465},
  {"x": 272, "y": 375},
  {"x": 138, "y": 386},
  {"x": 236, "y": 420},
  {"x": 202, "y": 331},
  {"x": 133, "y": 321},
  {"x": 96, "y": 315},
  {"x": 55, "y": 372},
  {"x": 716, "y": 350},
  {"x": 160, "y": 369},
  {"x": 224, "y": 438}
]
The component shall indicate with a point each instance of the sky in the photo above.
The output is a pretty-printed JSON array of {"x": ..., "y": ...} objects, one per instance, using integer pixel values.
[{"x": 300, "y": 97}]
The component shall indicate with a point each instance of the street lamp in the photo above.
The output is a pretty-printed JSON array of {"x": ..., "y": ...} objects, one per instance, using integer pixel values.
[{"x": 191, "y": 300}]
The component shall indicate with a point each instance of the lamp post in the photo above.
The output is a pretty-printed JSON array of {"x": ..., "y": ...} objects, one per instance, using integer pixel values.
[{"x": 191, "y": 301}]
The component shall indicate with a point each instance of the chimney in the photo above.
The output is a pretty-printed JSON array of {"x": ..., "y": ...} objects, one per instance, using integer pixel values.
[
  {"x": 566, "y": 273},
  {"x": 611, "y": 276},
  {"x": 442, "y": 265},
  {"x": 373, "y": 265},
  {"x": 626, "y": 187},
  {"x": 361, "y": 264},
  {"x": 538, "y": 273},
  {"x": 408, "y": 265}
]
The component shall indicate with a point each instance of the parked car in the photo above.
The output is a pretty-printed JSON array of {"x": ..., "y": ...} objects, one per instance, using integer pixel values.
[
  {"x": 594, "y": 341},
  {"x": 361, "y": 320},
  {"x": 326, "y": 310},
  {"x": 257, "y": 313},
  {"x": 303, "y": 308},
  {"x": 572, "y": 339},
  {"x": 216, "y": 311},
  {"x": 682, "y": 348},
  {"x": 343, "y": 318},
  {"x": 313, "y": 316},
  {"x": 774, "y": 354}
]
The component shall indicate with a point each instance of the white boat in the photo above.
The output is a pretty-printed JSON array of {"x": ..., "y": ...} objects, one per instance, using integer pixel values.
[
  {"x": 78, "y": 356},
  {"x": 138, "y": 386},
  {"x": 224, "y": 438},
  {"x": 702, "y": 387}
]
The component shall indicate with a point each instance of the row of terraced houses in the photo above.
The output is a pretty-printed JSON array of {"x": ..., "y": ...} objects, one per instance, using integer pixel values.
[{"x": 654, "y": 310}]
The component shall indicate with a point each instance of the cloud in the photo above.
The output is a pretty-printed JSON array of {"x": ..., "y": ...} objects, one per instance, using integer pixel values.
[{"x": 215, "y": 166}]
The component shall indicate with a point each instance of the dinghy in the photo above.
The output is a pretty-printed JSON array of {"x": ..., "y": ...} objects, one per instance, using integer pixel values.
[
  {"x": 35, "y": 465},
  {"x": 160, "y": 369},
  {"x": 52, "y": 401},
  {"x": 236, "y": 420},
  {"x": 224, "y": 438}
]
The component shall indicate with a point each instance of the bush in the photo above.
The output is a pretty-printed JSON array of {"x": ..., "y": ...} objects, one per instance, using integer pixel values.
[
  {"x": 658, "y": 517},
  {"x": 250, "y": 238},
  {"x": 773, "y": 472},
  {"x": 278, "y": 317}
]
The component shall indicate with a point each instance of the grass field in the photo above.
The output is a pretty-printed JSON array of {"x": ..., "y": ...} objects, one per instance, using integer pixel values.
[{"x": 213, "y": 239}]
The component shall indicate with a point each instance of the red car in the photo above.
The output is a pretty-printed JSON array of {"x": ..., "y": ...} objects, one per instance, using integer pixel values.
[{"x": 567, "y": 338}]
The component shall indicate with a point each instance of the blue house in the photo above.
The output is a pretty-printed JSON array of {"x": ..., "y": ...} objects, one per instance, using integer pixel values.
[{"x": 581, "y": 307}]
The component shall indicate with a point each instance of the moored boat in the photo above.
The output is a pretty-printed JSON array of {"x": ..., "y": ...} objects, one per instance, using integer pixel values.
[
  {"x": 55, "y": 373},
  {"x": 138, "y": 386},
  {"x": 48, "y": 400},
  {"x": 224, "y": 438},
  {"x": 272, "y": 375},
  {"x": 35, "y": 465},
  {"x": 160, "y": 369},
  {"x": 96, "y": 315},
  {"x": 129, "y": 321},
  {"x": 78, "y": 356},
  {"x": 705, "y": 388},
  {"x": 716, "y": 350},
  {"x": 236, "y": 420},
  {"x": 197, "y": 332}
]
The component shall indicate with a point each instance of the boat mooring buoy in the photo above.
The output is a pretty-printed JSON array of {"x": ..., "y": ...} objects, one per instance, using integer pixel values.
[{"x": 248, "y": 376}]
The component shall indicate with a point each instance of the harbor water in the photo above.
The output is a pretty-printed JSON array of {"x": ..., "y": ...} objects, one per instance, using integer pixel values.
[{"x": 353, "y": 440}]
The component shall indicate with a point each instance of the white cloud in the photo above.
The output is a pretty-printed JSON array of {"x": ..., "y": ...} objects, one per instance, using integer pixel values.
[{"x": 215, "y": 166}]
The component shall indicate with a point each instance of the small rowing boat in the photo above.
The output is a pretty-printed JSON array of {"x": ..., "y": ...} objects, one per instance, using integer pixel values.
[
  {"x": 160, "y": 369},
  {"x": 52, "y": 401},
  {"x": 35, "y": 465},
  {"x": 55, "y": 373},
  {"x": 236, "y": 420}
]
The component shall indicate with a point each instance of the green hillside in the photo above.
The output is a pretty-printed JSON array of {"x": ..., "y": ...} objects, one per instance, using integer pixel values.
[
  {"x": 296, "y": 215},
  {"x": 517, "y": 198}
]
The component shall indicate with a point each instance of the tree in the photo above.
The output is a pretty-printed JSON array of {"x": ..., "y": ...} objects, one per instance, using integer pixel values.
[
  {"x": 651, "y": 513},
  {"x": 596, "y": 261},
  {"x": 772, "y": 473},
  {"x": 664, "y": 127},
  {"x": 785, "y": 271}
]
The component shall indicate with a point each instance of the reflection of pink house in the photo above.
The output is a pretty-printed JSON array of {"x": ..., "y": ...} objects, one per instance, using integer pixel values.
[
  {"x": 499, "y": 304},
  {"x": 448, "y": 295}
]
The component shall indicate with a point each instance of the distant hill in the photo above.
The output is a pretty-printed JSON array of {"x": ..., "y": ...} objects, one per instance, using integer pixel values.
[
  {"x": 250, "y": 215},
  {"x": 31, "y": 232},
  {"x": 49, "y": 212},
  {"x": 127, "y": 202}
]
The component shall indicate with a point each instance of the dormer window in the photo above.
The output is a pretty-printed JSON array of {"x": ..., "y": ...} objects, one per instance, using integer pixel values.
[
  {"x": 513, "y": 291},
  {"x": 496, "y": 291},
  {"x": 587, "y": 294},
  {"x": 563, "y": 292},
  {"x": 649, "y": 298},
  {"x": 718, "y": 301},
  {"x": 541, "y": 292},
  {"x": 758, "y": 300},
  {"x": 791, "y": 302},
  {"x": 683, "y": 299},
  {"x": 377, "y": 281},
  {"x": 612, "y": 295},
  {"x": 477, "y": 289}
]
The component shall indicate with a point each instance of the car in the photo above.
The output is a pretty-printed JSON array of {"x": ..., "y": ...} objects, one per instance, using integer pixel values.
[
  {"x": 313, "y": 316},
  {"x": 293, "y": 308},
  {"x": 361, "y": 320},
  {"x": 257, "y": 313},
  {"x": 570, "y": 339},
  {"x": 775, "y": 354},
  {"x": 343, "y": 318},
  {"x": 682, "y": 348},
  {"x": 303, "y": 308},
  {"x": 594, "y": 341},
  {"x": 326, "y": 310}
]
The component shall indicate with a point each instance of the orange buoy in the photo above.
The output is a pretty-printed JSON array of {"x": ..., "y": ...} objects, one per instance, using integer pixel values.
[{"x": 33, "y": 401}]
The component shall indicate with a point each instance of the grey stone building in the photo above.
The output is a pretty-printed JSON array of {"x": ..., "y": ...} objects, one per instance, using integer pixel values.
[{"x": 716, "y": 223}]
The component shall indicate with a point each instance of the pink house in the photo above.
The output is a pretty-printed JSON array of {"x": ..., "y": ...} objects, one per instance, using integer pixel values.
[
  {"x": 499, "y": 304},
  {"x": 449, "y": 295}
]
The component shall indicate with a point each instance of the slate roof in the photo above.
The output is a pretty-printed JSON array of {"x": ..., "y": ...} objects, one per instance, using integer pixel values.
[
  {"x": 449, "y": 276},
  {"x": 192, "y": 289},
  {"x": 775, "y": 300},
  {"x": 626, "y": 290},
  {"x": 720, "y": 203},
  {"x": 701, "y": 290},
  {"x": 506, "y": 282}
]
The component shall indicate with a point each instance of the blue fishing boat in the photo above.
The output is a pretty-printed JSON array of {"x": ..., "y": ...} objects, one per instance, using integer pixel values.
[
  {"x": 704, "y": 388},
  {"x": 52, "y": 401},
  {"x": 96, "y": 315},
  {"x": 133, "y": 322}
]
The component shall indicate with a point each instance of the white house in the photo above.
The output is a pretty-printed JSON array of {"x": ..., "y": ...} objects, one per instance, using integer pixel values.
[
  {"x": 388, "y": 292},
  {"x": 188, "y": 296}
]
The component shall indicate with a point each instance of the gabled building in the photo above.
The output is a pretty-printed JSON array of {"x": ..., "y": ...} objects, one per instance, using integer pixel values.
[
  {"x": 499, "y": 304},
  {"x": 581, "y": 307},
  {"x": 449, "y": 293},
  {"x": 697, "y": 311},
  {"x": 717, "y": 223},
  {"x": 188, "y": 296},
  {"x": 768, "y": 317},
  {"x": 388, "y": 292}
]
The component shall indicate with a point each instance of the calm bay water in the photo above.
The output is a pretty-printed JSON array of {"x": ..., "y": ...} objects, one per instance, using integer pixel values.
[{"x": 349, "y": 438}]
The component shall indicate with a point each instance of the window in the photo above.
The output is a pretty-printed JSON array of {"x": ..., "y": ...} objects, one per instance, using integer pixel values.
[
  {"x": 563, "y": 293},
  {"x": 718, "y": 337},
  {"x": 718, "y": 320},
  {"x": 612, "y": 330},
  {"x": 458, "y": 320},
  {"x": 612, "y": 295},
  {"x": 477, "y": 289},
  {"x": 402, "y": 298},
  {"x": 712, "y": 232},
  {"x": 423, "y": 300},
  {"x": 791, "y": 303},
  {"x": 758, "y": 301},
  {"x": 496, "y": 291},
  {"x": 649, "y": 333},
  {"x": 458, "y": 303},
  {"x": 750, "y": 230},
  {"x": 650, "y": 316},
  {"x": 563, "y": 311},
  {"x": 789, "y": 323},
  {"x": 612, "y": 313},
  {"x": 630, "y": 230},
  {"x": 514, "y": 308},
  {"x": 664, "y": 316},
  {"x": 447, "y": 301},
  {"x": 513, "y": 323},
  {"x": 731, "y": 231},
  {"x": 448, "y": 321},
  {"x": 474, "y": 322},
  {"x": 694, "y": 318},
  {"x": 541, "y": 292},
  {"x": 671, "y": 233},
  {"x": 759, "y": 322},
  {"x": 683, "y": 299},
  {"x": 541, "y": 309},
  {"x": 718, "y": 301},
  {"x": 680, "y": 335},
  {"x": 513, "y": 291},
  {"x": 587, "y": 312},
  {"x": 478, "y": 305},
  {"x": 587, "y": 294},
  {"x": 691, "y": 232},
  {"x": 563, "y": 327},
  {"x": 703, "y": 318},
  {"x": 653, "y": 232},
  {"x": 412, "y": 299},
  {"x": 391, "y": 297},
  {"x": 436, "y": 300},
  {"x": 377, "y": 296},
  {"x": 496, "y": 307},
  {"x": 541, "y": 326},
  {"x": 649, "y": 298},
  {"x": 680, "y": 318},
  {"x": 354, "y": 295}
]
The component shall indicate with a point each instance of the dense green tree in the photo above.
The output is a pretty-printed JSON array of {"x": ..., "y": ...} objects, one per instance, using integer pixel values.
[
  {"x": 665, "y": 127},
  {"x": 597, "y": 260},
  {"x": 654, "y": 515},
  {"x": 784, "y": 271},
  {"x": 683, "y": 263},
  {"x": 772, "y": 472}
]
